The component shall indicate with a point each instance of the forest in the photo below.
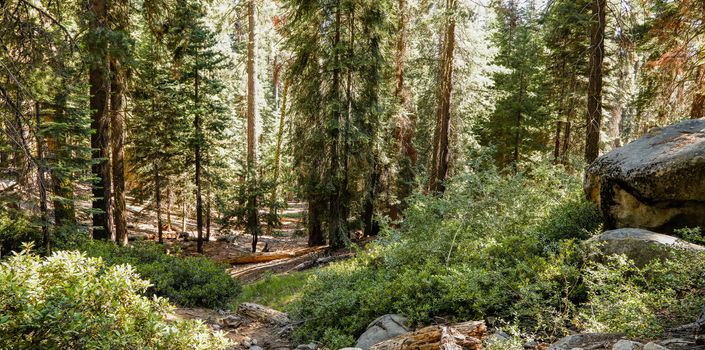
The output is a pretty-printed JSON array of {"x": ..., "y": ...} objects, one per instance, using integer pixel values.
[{"x": 352, "y": 174}]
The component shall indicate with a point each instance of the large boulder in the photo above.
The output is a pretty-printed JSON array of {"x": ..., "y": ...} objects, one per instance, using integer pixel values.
[
  {"x": 656, "y": 182},
  {"x": 584, "y": 341},
  {"x": 640, "y": 245},
  {"x": 381, "y": 329}
]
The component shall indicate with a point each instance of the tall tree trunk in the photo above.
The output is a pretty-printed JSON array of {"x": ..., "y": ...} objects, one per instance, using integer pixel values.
[
  {"x": 99, "y": 79},
  {"x": 594, "y": 100},
  {"x": 406, "y": 121},
  {"x": 117, "y": 136},
  {"x": 62, "y": 186},
  {"x": 158, "y": 200},
  {"x": 208, "y": 212},
  {"x": 280, "y": 137},
  {"x": 183, "y": 215},
  {"x": 252, "y": 215},
  {"x": 566, "y": 143},
  {"x": 371, "y": 226},
  {"x": 337, "y": 235},
  {"x": 315, "y": 229},
  {"x": 345, "y": 190},
  {"x": 441, "y": 142},
  {"x": 199, "y": 140},
  {"x": 168, "y": 207},
  {"x": 41, "y": 180},
  {"x": 557, "y": 142}
]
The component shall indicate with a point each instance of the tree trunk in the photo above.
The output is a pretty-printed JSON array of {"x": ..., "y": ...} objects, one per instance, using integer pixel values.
[
  {"x": 99, "y": 80},
  {"x": 345, "y": 190},
  {"x": 41, "y": 180},
  {"x": 62, "y": 186},
  {"x": 371, "y": 226},
  {"x": 594, "y": 100},
  {"x": 315, "y": 229},
  {"x": 337, "y": 235},
  {"x": 557, "y": 146},
  {"x": 441, "y": 143},
  {"x": 158, "y": 200},
  {"x": 566, "y": 143},
  {"x": 168, "y": 207},
  {"x": 208, "y": 212},
  {"x": 117, "y": 136},
  {"x": 406, "y": 121},
  {"x": 252, "y": 215},
  {"x": 278, "y": 149},
  {"x": 199, "y": 140},
  {"x": 183, "y": 215}
]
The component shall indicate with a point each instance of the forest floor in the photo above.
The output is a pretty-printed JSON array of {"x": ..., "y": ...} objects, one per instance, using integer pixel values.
[{"x": 225, "y": 246}]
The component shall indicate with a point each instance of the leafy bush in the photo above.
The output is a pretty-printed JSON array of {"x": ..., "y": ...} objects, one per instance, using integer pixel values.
[
  {"x": 190, "y": 281},
  {"x": 70, "y": 301},
  {"x": 644, "y": 301},
  {"x": 492, "y": 245}
]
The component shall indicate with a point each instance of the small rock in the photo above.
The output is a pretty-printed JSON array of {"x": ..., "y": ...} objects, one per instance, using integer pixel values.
[
  {"x": 531, "y": 344},
  {"x": 381, "y": 329},
  {"x": 215, "y": 327},
  {"x": 626, "y": 345},
  {"x": 349, "y": 349},
  {"x": 310, "y": 346},
  {"x": 255, "y": 347},
  {"x": 498, "y": 337},
  {"x": 654, "y": 346},
  {"x": 231, "y": 321},
  {"x": 247, "y": 342},
  {"x": 583, "y": 340}
]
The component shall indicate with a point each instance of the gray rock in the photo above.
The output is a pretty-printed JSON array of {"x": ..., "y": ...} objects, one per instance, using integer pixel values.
[
  {"x": 498, "y": 336},
  {"x": 349, "y": 349},
  {"x": 381, "y": 329},
  {"x": 583, "y": 340},
  {"x": 654, "y": 346},
  {"x": 531, "y": 344},
  {"x": 310, "y": 346},
  {"x": 641, "y": 245},
  {"x": 656, "y": 182},
  {"x": 255, "y": 347},
  {"x": 625, "y": 344}
]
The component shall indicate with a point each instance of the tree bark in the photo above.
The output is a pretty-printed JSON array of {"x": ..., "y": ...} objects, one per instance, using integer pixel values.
[
  {"x": 594, "y": 100},
  {"x": 199, "y": 140},
  {"x": 99, "y": 80},
  {"x": 158, "y": 200},
  {"x": 117, "y": 136},
  {"x": 315, "y": 229},
  {"x": 337, "y": 235},
  {"x": 441, "y": 143},
  {"x": 280, "y": 136},
  {"x": 468, "y": 335},
  {"x": 252, "y": 215},
  {"x": 406, "y": 121},
  {"x": 41, "y": 180},
  {"x": 557, "y": 145}
]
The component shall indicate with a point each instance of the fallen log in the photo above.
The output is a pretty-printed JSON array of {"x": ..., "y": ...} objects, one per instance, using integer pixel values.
[
  {"x": 263, "y": 314},
  {"x": 271, "y": 256},
  {"x": 321, "y": 261},
  {"x": 466, "y": 335},
  {"x": 253, "y": 271}
]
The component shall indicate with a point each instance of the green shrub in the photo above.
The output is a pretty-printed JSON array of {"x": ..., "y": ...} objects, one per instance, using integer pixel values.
[
  {"x": 493, "y": 245},
  {"x": 189, "y": 281},
  {"x": 644, "y": 301},
  {"x": 70, "y": 301}
]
